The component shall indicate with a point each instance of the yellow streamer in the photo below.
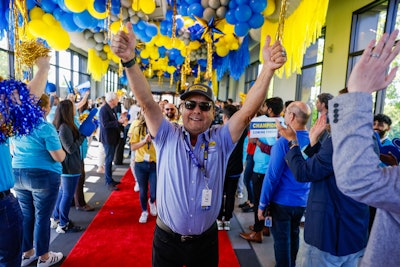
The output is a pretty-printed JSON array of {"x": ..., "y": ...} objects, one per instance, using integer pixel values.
[{"x": 300, "y": 31}]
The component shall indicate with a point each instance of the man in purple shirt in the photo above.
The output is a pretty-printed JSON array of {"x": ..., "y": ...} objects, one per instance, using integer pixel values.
[{"x": 191, "y": 158}]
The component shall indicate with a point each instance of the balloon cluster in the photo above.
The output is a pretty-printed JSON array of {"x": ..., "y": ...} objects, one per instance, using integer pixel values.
[
  {"x": 214, "y": 8},
  {"x": 166, "y": 25},
  {"x": 19, "y": 113},
  {"x": 45, "y": 26},
  {"x": 246, "y": 15}
]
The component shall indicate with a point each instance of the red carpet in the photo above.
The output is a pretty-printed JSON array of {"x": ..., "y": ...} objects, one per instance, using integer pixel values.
[{"x": 116, "y": 238}]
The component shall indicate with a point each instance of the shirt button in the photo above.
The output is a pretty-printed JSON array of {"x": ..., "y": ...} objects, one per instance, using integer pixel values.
[
  {"x": 191, "y": 215},
  {"x": 192, "y": 199},
  {"x": 335, "y": 105}
]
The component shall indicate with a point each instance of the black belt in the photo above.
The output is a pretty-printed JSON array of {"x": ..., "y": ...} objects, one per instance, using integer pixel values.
[
  {"x": 4, "y": 193},
  {"x": 184, "y": 238}
]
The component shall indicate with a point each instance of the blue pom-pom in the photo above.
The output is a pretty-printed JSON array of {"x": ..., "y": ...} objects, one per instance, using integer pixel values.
[{"x": 20, "y": 113}]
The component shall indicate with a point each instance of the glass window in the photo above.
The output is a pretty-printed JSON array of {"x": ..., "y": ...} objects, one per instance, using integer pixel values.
[
  {"x": 4, "y": 43},
  {"x": 4, "y": 68},
  {"x": 309, "y": 82},
  {"x": 65, "y": 59}
]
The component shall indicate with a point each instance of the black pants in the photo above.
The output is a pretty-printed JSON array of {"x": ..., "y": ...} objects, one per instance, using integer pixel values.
[
  {"x": 228, "y": 202},
  {"x": 170, "y": 251},
  {"x": 257, "y": 179}
]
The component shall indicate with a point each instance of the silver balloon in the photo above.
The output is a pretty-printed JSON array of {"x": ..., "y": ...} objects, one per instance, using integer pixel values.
[
  {"x": 102, "y": 55},
  {"x": 125, "y": 13},
  {"x": 91, "y": 43},
  {"x": 221, "y": 11},
  {"x": 214, "y": 4},
  {"x": 204, "y": 3},
  {"x": 99, "y": 37},
  {"x": 126, "y": 3},
  {"x": 224, "y": 2},
  {"x": 99, "y": 46},
  {"x": 208, "y": 13},
  {"x": 87, "y": 34},
  {"x": 134, "y": 19},
  {"x": 255, "y": 34}
]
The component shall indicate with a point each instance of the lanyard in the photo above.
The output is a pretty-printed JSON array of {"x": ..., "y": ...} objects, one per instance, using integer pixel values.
[{"x": 196, "y": 162}]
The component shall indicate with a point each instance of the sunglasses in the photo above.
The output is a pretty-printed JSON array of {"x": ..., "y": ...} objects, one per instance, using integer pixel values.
[{"x": 204, "y": 106}]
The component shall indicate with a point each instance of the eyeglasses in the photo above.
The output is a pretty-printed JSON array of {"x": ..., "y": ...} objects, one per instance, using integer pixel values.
[
  {"x": 204, "y": 106},
  {"x": 168, "y": 109}
]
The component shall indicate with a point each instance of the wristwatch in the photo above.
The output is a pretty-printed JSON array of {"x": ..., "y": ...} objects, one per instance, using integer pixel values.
[
  {"x": 293, "y": 143},
  {"x": 129, "y": 63}
]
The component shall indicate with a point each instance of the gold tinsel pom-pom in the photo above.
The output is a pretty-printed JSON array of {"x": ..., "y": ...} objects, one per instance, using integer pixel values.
[{"x": 30, "y": 51}]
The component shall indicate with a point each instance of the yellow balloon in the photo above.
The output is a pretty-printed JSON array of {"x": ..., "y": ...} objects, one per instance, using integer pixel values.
[
  {"x": 93, "y": 12},
  {"x": 36, "y": 13},
  {"x": 114, "y": 27},
  {"x": 229, "y": 28},
  {"x": 76, "y": 6},
  {"x": 171, "y": 69},
  {"x": 148, "y": 6},
  {"x": 144, "y": 53},
  {"x": 135, "y": 5},
  {"x": 222, "y": 51},
  {"x": 106, "y": 48},
  {"x": 49, "y": 19},
  {"x": 270, "y": 9},
  {"x": 59, "y": 40},
  {"x": 38, "y": 28},
  {"x": 194, "y": 45}
]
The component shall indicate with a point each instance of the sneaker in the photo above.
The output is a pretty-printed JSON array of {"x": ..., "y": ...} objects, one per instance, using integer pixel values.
[
  {"x": 53, "y": 223},
  {"x": 68, "y": 228},
  {"x": 227, "y": 225},
  {"x": 28, "y": 260},
  {"x": 143, "y": 217},
  {"x": 54, "y": 257},
  {"x": 220, "y": 225},
  {"x": 153, "y": 208},
  {"x": 136, "y": 188}
]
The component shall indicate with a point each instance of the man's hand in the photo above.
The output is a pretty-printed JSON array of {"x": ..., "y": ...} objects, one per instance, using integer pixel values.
[
  {"x": 123, "y": 44},
  {"x": 260, "y": 214},
  {"x": 43, "y": 62},
  {"x": 370, "y": 73},
  {"x": 318, "y": 128},
  {"x": 289, "y": 133},
  {"x": 389, "y": 159},
  {"x": 274, "y": 56}
]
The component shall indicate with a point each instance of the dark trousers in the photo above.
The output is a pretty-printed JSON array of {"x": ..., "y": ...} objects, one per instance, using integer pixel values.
[
  {"x": 109, "y": 150},
  {"x": 170, "y": 251},
  {"x": 79, "y": 197},
  {"x": 285, "y": 230},
  {"x": 257, "y": 179},
  {"x": 247, "y": 176},
  {"x": 228, "y": 201}
]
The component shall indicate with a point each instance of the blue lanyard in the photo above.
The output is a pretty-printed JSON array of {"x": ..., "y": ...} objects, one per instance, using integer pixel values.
[{"x": 196, "y": 162}]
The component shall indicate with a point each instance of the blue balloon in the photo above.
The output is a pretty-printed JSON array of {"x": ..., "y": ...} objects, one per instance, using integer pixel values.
[
  {"x": 58, "y": 13},
  {"x": 161, "y": 51},
  {"x": 62, "y": 5},
  {"x": 256, "y": 21},
  {"x": 68, "y": 23},
  {"x": 169, "y": 14},
  {"x": 30, "y": 4},
  {"x": 164, "y": 27},
  {"x": 258, "y": 6},
  {"x": 243, "y": 13},
  {"x": 145, "y": 60},
  {"x": 84, "y": 20},
  {"x": 183, "y": 10},
  {"x": 179, "y": 23},
  {"x": 232, "y": 4},
  {"x": 190, "y": 1},
  {"x": 100, "y": 5},
  {"x": 242, "y": 29},
  {"x": 141, "y": 25},
  {"x": 50, "y": 87},
  {"x": 240, "y": 2},
  {"x": 179, "y": 59},
  {"x": 151, "y": 30},
  {"x": 48, "y": 6},
  {"x": 230, "y": 17},
  {"x": 195, "y": 9}
]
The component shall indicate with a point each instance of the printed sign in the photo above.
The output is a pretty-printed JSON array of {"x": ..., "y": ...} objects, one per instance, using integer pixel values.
[{"x": 263, "y": 126}]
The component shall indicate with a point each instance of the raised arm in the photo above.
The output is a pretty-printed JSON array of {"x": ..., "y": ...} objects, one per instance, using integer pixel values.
[
  {"x": 274, "y": 57},
  {"x": 38, "y": 83},
  {"x": 123, "y": 45}
]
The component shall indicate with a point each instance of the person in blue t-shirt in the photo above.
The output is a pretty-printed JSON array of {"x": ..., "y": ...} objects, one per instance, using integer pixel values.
[
  {"x": 287, "y": 197},
  {"x": 11, "y": 230}
]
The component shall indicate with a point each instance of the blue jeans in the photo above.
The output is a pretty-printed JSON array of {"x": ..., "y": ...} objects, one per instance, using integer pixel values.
[
  {"x": 109, "y": 151},
  {"x": 248, "y": 173},
  {"x": 313, "y": 257},
  {"x": 285, "y": 230},
  {"x": 36, "y": 190},
  {"x": 10, "y": 232},
  {"x": 146, "y": 174},
  {"x": 64, "y": 199}
]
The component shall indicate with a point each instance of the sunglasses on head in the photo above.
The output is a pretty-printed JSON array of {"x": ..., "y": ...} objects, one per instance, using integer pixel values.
[{"x": 204, "y": 106}]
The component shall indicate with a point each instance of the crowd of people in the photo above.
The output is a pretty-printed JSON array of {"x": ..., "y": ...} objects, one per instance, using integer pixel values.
[{"x": 191, "y": 160}]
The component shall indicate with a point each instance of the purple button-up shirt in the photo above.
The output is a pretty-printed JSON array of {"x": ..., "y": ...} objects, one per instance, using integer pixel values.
[{"x": 180, "y": 182}]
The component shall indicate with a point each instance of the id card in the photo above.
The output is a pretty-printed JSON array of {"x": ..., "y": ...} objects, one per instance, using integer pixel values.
[
  {"x": 146, "y": 157},
  {"x": 206, "y": 198},
  {"x": 268, "y": 221}
]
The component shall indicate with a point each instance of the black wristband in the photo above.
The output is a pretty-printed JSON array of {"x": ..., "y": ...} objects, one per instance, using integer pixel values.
[{"x": 129, "y": 63}]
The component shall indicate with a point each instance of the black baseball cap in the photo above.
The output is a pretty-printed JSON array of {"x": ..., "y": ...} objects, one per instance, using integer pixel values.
[{"x": 198, "y": 89}]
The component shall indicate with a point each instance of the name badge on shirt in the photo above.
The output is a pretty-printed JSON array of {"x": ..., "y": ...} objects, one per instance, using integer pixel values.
[
  {"x": 206, "y": 199},
  {"x": 146, "y": 157}
]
